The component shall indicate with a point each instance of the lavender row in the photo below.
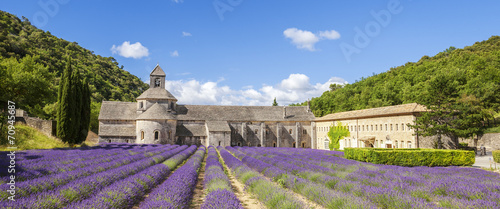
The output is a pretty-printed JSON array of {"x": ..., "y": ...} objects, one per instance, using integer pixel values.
[
  {"x": 217, "y": 185},
  {"x": 62, "y": 155},
  {"x": 452, "y": 186},
  {"x": 41, "y": 184},
  {"x": 127, "y": 192},
  {"x": 467, "y": 186},
  {"x": 317, "y": 193},
  {"x": 81, "y": 189},
  {"x": 267, "y": 192},
  {"x": 177, "y": 190},
  {"x": 46, "y": 168}
]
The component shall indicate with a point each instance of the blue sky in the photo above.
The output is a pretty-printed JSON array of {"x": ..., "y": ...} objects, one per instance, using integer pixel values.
[{"x": 242, "y": 52}]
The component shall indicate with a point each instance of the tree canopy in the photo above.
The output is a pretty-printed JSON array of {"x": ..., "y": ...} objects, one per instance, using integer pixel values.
[
  {"x": 32, "y": 62},
  {"x": 478, "y": 66}
]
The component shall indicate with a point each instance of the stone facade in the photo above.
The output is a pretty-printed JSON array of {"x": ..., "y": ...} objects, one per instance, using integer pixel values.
[
  {"x": 156, "y": 118},
  {"x": 384, "y": 127}
]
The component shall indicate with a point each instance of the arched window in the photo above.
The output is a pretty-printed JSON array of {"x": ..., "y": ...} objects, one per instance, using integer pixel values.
[
  {"x": 256, "y": 130},
  {"x": 142, "y": 135},
  {"x": 396, "y": 127},
  {"x": 409, "y": 144},
  {"x": 402, "y": 127},
  {"x": 258, "y": 145},
  {"x": 109, "y": 140},
  {"x": 395, "y": 144},
  {"x": 239, "y": 144},
  {"x": 219, "y": 143},
  {"x": 326, "y": 142},
  {"x": 157, "y": 82},
  {"x": 376, "y": 128},
  {"x": 385, "y": 127},
  {"x": 391, "y": 127},
  {"x": 274, "y": 144},
  {"x": 303, "y": 144},
  {"x": 157, "y": 135},
  {"x": 304, "y": 131},
  {"x": 290, "y": 131},
  {"x": 293, "y": 145}
]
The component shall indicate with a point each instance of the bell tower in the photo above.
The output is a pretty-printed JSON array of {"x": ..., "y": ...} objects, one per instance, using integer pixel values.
[{"x": 157, "y": 78}]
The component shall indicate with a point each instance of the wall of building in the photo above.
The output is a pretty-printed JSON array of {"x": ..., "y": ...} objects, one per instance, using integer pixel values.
[
  {"x": 165, "y": 128},
  {"x": 378, "y": 127},
  {"x": 219, "y": 138}
]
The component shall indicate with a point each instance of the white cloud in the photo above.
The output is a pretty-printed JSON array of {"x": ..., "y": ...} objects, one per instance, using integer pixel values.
[
  {"x": 296, "y": 88},
  {"x": 301, "y": 38},
  {"x": 304, "y": 39},
  {"x": 178, "y": 1},
  {"x": 174, "y": 53},
  {"x": 136, "y": 50},
  {"x": 186, "y": 34},
  {"x": 331, "y": 34}
]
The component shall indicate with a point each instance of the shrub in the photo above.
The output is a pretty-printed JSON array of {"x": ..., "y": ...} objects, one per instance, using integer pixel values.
[
  {"x": 496, "y": 156},
  {"x": 411, "y": 157}
]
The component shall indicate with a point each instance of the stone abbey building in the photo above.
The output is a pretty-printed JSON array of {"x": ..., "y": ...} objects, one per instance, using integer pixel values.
[{"x": 157, "y": 118}]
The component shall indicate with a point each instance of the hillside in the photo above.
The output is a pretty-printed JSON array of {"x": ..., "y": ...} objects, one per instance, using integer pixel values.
[
  {"x": 32, "y": 61},
  {"x": 475, "y": 71}
]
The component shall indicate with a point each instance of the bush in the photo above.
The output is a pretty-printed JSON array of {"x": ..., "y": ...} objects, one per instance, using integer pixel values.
[
  {"x": 496, "y": 156},
  {"x": 412, "y": 157}
]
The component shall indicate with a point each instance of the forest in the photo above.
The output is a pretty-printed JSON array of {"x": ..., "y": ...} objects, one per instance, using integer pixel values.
[
  {"x": 473, "y": 71},
  {"x": 32, "y": 62}
]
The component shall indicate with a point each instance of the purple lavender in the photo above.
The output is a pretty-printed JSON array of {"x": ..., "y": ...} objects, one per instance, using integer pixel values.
[
  {"x": 217, "y": 185},
  {"x": 177, "y": 190}
]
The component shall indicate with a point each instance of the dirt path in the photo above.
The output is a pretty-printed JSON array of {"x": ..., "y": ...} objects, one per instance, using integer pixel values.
[
  {"x": 247, "y": 200},
  {"x": 199, "y": 192}
]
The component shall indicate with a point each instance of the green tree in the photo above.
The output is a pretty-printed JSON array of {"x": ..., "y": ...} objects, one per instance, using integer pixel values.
[
  {"x": 336, "y": 133},
  {"x": 274, "y": 102},
  {"x": 85, "y": 113},
  {"x": 65, "y": 103},
  {"x": 74, "y": 107}
]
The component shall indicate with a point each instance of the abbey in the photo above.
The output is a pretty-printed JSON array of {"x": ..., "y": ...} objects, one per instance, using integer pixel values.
[{"x": 157, "y": 118}]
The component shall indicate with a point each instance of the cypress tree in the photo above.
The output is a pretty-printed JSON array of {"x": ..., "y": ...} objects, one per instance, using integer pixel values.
[
  {"x": 85, "y": 114},
  {"x": 76, "y": 103},
  {"x": 64, "y": 106}
]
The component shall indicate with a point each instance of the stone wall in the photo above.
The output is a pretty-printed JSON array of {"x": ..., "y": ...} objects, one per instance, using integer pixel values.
[
  {"x": 491, "y": 141},
  {"x": 47, "y": 127}
]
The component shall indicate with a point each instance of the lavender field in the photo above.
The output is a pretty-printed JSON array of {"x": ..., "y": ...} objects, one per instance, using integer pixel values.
[{"x": 165, "y": 176}]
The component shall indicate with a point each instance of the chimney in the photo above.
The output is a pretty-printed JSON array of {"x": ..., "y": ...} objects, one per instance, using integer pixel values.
[
  {"x": 284, "y": 112},
  {"x": 308, "y": 105}
]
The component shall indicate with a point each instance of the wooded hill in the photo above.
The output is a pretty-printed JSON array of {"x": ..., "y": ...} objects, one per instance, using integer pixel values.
[
  {"x": 475, "y": 71},
  {"x": 32, "y": 61}
]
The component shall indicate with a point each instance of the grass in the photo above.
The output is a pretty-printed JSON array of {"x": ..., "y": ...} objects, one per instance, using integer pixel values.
[{"x": 28, "y": 138}]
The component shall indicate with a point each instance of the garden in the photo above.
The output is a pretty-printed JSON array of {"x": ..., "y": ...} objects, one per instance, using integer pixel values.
[{"x": 115, "y": 175}]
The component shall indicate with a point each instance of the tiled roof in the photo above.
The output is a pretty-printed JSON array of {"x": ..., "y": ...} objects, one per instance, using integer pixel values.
[
  {"x": 156, "y": 112},
  {"x": 375, "y": 112},
  {"x": 191, "y": 130},
  {"x": 111, "y": 110},
  {"x": 158, "y": 71},
  {"x": 243, "y": 113},
  {"x": 218, "y": 126},
  {"x": 117, "y": 130},
  {"x": 156, "y": 93}
]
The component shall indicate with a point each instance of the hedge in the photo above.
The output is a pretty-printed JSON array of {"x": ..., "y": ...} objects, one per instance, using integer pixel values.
[
  {"x": 496, "y": 156},
  {"x": 412, "y": 157}
]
